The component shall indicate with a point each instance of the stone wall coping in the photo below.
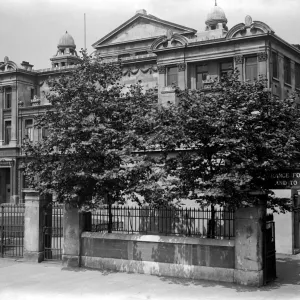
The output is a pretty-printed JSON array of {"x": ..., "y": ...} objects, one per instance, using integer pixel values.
[{"x": 159, "y": 239}]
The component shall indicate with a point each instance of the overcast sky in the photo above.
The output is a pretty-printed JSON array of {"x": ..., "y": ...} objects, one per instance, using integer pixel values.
[{"x": 30, "y": 29}]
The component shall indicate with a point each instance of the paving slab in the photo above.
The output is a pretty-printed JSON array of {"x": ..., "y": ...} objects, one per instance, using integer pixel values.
[{"x": 30, "y": 281}]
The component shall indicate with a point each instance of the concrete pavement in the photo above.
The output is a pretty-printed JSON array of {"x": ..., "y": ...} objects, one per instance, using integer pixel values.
[{"x": 27, "y": 281}]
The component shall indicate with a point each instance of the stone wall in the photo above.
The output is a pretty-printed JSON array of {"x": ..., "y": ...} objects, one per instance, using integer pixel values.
[{"x": 160, "y": 255}]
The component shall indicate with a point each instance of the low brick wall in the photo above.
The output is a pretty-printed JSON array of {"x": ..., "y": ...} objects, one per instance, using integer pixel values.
[{"x": 160, "y": 255}]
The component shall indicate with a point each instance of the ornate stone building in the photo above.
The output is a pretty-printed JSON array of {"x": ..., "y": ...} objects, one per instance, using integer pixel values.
[
  {"x": 23, "y": 95},
  {"x": 156, "y": 52}
]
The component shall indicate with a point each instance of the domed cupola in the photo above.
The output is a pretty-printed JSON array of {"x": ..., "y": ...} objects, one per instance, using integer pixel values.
[
  {"x": 66, "y": 54},
  {"x": 216, "y": 18},
  {"x": 66, "y": 41}
]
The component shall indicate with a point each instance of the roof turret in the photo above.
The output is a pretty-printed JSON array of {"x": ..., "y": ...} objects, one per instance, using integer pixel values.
[{"x": 66, "y": 41}]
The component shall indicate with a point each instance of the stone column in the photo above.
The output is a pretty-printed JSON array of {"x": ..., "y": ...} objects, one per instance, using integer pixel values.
[
  {"x": 161, "y": 81},
  {"x": 181, "y": 75},
  {"x": 281, "y": 75},
  {"x": 249, "y": 248},
  {"x": 73, "y": 226},
  {"x": 293, "y": 75},
  {"x": 14, "y": 116},
  {"x": 1, "y": 116},
  {"x": 238, "y": 63},
  {"x": 33, "y": 231},
  {"x": 262, "y": 63}
]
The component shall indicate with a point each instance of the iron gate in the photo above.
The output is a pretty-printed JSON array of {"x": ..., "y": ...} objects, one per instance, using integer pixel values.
[
  {"x": 270, "y": 250},
  {"x": 12, "y": 230},
  {"x": 53, "y": 232}
]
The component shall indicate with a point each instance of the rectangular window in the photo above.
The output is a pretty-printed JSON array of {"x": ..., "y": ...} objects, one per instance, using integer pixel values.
[
  {"x": 8, "y": 97},
  {"x": 7, "y": 132},
  {"x": 29, "y": 130},
  {"x": 287, "y": 71},
  {"x": 201, "y": 75},
  {"x": 275, "y": 64},
  {"x": 172, "y": 75},
  {"x": 251, "y": 68},
  {"x": 31, "y": 94},
  {"x": 45, "y": 132},
  {"x": 297, "y": 75},
  {"x": 226, "y": 68}
]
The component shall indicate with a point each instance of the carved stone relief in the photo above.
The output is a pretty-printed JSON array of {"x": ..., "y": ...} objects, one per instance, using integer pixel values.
[
  {"x": 238, "y": 59},
  {"x": 133, "y": 71},
  {"x": 181, "y": 67},
  {"x": 262, "y": 56},
  {"x": 161, "y": 69}
]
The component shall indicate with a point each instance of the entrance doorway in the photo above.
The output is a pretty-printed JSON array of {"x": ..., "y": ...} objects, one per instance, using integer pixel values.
[{"x": 5, "y": 185}]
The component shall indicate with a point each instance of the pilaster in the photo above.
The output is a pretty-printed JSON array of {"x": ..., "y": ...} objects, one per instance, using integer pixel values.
[
  {"x": 33, "y": 231},
  {"x": 1, "y": 116},
  {"x": 249, "y": 246},
  {"x": 293, "y": 71},
  {"x": 181, "y": 75},
  {"x": 262, "y": 64},
  {"x": 238, "y": 64},
  {"x": 73, "y": 226},
  {"x": 14, "y": 116}
]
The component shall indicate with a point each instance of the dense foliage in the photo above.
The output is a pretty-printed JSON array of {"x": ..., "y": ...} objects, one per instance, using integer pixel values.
[
  {"x": 228, "y": 140},
  {"x": 109, "y": 145},
  {"x": 94, "y": 124}
]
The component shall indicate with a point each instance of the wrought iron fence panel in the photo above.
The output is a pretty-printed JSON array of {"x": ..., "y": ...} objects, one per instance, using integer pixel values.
[
  {"x": 12, "y": 230},
  {"x": 196, "y": 222},
  {"x": 53, "y": 232}
]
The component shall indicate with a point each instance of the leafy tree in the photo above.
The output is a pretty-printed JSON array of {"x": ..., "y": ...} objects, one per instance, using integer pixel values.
[
  {"x": 228, "y": 140},
  {"x": 94, "y": 127}
]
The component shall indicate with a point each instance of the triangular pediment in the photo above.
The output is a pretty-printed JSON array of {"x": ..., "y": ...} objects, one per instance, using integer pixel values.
[{"x": 141, "y": 27}]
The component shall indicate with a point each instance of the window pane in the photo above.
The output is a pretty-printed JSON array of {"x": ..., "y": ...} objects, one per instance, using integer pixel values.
[
  {"x": 7, "y": 132},
  {"x": 226, "y": 68},
  {"x": 202, "y": 68},
  {"x": 29, "y": 129},
  {"x": 200, "y": 78},
  {"x": 275, "y": 64},
  {"x": 287, "y": 70},
  {"x": 45, "y": 132},
  {"x": 8, "y": 101},
  {"x": 251, "y": 68},
  {"x": 251, "y": 60},
  {"x": 172, "y": 75},
  {"x": 8, "y": 97},
  {"x": 297, "y": 71}
]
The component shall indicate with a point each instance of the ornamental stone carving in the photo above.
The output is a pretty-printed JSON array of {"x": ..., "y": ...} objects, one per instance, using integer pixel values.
[
  {"x": 161, "y": 69},
  {"x": 181, "y": 67},
  {"x": 262, "y": 56},
  {"x": 238, "y": 59},
  {"x": 248, "y": 21}
]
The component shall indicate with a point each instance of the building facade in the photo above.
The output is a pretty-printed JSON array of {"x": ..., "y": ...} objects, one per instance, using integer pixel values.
[
  {"x": 23, "y": 93},
  {"x": 158, "y": 53}
]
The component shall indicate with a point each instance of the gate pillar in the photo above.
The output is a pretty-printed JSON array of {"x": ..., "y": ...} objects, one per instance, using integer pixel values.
[
  {"x": 249, "y": 246},
  {"x": 33, "y": 222},
  {"x": 73, "y": 226}
]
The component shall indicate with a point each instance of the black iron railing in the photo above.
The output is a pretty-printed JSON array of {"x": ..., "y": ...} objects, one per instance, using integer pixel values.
[
  {"x": 204, "y": 223},
  {"x": 12, "y": 230},
  {"x": 53, "y": 232}
]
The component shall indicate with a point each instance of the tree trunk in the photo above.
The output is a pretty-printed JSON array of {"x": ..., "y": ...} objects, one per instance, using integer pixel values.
[
  {"x": 212, "y": 224},
  {"x": 110, "y": 216}
]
